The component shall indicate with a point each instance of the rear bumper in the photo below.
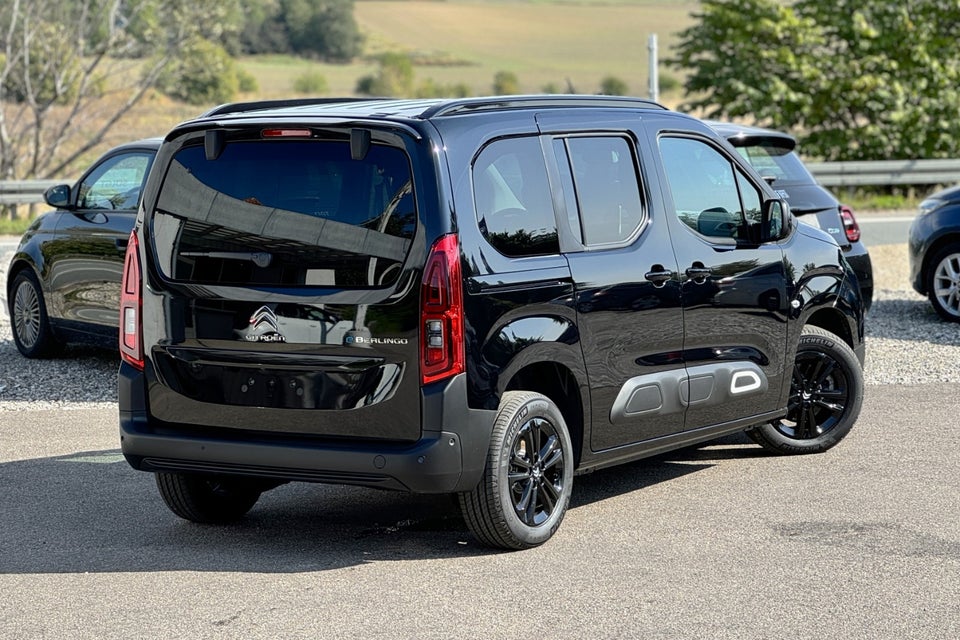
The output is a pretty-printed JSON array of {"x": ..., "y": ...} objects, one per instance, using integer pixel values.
[{"x": 449, "y": 456}]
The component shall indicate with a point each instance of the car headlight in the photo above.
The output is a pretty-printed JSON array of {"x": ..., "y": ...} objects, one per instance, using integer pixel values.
[{"x": 930, "y": 204}]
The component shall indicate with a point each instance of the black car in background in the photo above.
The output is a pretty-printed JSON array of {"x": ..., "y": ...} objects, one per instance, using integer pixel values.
[
  {"x": 772, "y": 154},
  {"x": 63, "y": 284},
  {"x": 934, "y": 249}
]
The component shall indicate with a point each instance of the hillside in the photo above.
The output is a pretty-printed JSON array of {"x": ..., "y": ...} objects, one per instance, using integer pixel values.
[{"x": 468, "y": 41}]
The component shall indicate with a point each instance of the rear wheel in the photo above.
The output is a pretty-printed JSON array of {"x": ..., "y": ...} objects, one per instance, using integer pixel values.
[
  {"x": 526, "y": 485},
  {"x": 943, "y": 283},
  {"x": 208, "y": 499},
  {"x": 28, "y": 317},
  {"x": 826, "y": 392}
]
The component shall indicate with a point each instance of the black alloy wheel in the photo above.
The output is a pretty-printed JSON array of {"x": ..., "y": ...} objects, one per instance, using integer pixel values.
[
  {"x": 528, "y": 478},
  {"x": 826, "y": 393}
]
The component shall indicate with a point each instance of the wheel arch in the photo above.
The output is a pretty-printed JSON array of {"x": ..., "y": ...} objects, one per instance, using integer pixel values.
[
  {"x": 832, "y": 320},
  {"x": 559, "y": 383}
]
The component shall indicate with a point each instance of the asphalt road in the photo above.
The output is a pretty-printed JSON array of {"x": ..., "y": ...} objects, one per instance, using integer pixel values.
[
  {"x": 884, "y": 228},
  {"x": 720, "y": 541}
]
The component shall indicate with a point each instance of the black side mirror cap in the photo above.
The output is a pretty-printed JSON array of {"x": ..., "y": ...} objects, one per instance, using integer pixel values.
[
  {"x": 58, "y": 196},
  {"x": 775, "y": 220}
]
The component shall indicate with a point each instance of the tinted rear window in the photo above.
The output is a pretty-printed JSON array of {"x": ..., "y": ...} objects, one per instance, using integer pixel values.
[
  {"x": 286, "y": 213},
  {"x": 777, "y": 162}
]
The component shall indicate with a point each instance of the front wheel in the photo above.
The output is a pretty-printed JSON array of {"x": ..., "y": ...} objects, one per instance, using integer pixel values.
[
  {"x": 826, "y": 393},
  {"x": 208, "y": 499},
  {"x": 943, "y": 283},
  {"x": 526, "y": 485}
]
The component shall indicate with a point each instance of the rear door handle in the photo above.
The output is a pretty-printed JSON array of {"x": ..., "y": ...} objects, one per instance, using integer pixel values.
[
  {"x": 658, "y": 275},
  {"x": 121, "y": 244}
]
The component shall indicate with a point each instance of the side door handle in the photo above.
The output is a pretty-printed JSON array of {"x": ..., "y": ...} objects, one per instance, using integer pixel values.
[
  {"x": 658, "y": 275},
  {"x": 698, "y": 273}
]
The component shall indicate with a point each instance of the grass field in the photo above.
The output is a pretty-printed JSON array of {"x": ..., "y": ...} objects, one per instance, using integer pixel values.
[{"x": 463, "y": 41}]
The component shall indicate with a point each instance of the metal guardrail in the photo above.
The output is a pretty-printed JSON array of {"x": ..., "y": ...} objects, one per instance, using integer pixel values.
[
  {"x": 24, "y": 191},
  {"x": 886, "y": 172},
  {"x": 829, "y": 174}
]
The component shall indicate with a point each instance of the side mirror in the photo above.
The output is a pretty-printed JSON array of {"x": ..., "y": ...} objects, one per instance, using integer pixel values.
[
  {"x": 775, "y": 220},
  {"x": 58, "y": 196}
]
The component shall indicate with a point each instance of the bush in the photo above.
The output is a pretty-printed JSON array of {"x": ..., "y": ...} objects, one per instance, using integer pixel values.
[
  {"x": 394, "y": 78},
  {"x": 247, "y": 82},
  {"x": 613, "y": 86},
  {"x": 312, "y": 82},
  {"x": 505, "y": 83}
]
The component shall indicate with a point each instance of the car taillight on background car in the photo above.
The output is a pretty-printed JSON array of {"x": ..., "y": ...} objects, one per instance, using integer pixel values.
[
  {"x": 850, "y": 226},
  {"x": 131, "y": 304},
  {"x": 441, "y": 313}
]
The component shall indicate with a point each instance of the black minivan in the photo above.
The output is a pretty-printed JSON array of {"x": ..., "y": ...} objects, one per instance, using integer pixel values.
[{"x": 479, "y": 296}]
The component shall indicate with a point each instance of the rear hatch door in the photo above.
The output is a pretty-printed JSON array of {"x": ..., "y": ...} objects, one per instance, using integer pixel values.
[{"x": 285, "y": 292}]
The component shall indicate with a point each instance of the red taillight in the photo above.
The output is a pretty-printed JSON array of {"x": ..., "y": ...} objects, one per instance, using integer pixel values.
[
  {"x": 850, "y": 226},
  {"x": 441, "y": 313},
  {"x": 131, "y": 346}
]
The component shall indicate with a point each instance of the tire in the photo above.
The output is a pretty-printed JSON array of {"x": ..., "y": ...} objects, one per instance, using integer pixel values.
[
  {"x": 826, "y": 393},
  {"x": 208, "y": 499},
  {"x": 526, "y": 485},
  {"x": 943, "y": 283},
  {"x": 28, "y": 318}
]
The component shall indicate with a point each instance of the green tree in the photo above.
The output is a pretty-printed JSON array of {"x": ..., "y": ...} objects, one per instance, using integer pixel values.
[
  {"x": 205, "y": 75},
  {"x": 66, "y": 62},
  {"x": 323, "y": 28},
  {"x": 853, "y": 79}
]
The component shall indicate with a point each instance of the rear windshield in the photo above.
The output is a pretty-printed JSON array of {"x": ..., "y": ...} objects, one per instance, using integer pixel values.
[
  {"x": 777, "y": 162},
  {"x": 285, "y": 213}
]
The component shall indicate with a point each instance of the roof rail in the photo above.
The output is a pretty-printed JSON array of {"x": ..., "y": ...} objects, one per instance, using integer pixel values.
[
  {"x": 466, "y": 105},
  {"x": 243, "y": 107}
]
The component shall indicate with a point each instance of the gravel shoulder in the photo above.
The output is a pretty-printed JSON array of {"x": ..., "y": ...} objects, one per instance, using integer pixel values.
[{"x": 907, "y": 343}]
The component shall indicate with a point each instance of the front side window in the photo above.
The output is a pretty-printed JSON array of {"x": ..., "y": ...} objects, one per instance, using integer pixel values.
[
  {"x": 287, "y": 213},
  {"x": 512, "y": 198},
  {"x": 115, "y": 184},
  {"x": 710, "y": 194}
]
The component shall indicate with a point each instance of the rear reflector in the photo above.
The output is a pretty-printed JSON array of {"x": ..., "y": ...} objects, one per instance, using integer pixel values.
[
  {"x": 131, "y": 345},
  {"x": 441, "y": 313}
]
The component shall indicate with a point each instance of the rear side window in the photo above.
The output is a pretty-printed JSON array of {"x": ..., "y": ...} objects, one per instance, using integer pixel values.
[
  {"x": 605, "y": 188},
  {"x": 286, "y": 213},
  {"x": 512, "y": 198}
]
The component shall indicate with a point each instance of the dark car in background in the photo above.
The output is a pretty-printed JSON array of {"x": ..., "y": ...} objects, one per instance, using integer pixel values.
[
  {"x": 934, "y": 249},
  {"x": 773, "y": 155},
  {"x": 63, "y": 284}
]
